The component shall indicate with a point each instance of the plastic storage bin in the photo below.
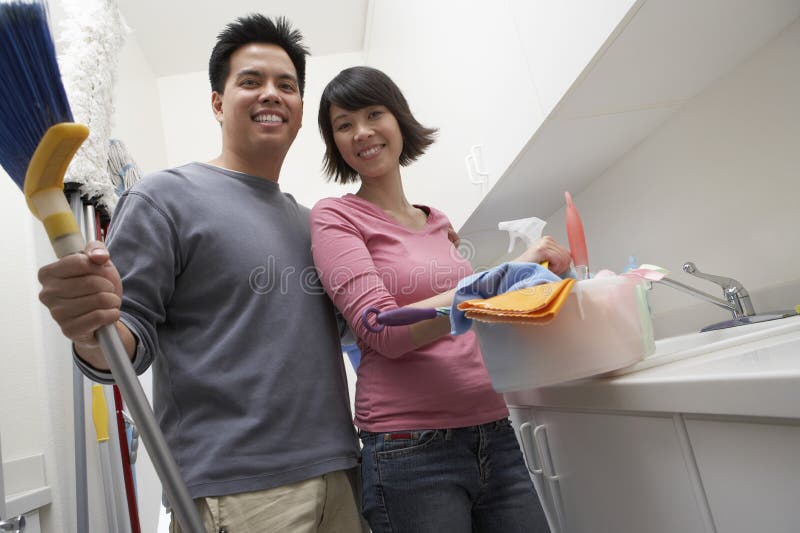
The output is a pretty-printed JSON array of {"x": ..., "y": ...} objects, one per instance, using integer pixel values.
[{"x": 604, "y": 325}]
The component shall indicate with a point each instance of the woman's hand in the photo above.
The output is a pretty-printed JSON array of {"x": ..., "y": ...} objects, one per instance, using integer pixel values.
[
  {"x": 547, "y": 249},
  {"x": 453, "y": 236}
]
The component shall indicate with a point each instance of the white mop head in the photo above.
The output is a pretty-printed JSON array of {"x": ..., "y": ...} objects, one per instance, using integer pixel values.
[
  {"x": 92, "y": 35},
  {"x": 122, "y": 169}
]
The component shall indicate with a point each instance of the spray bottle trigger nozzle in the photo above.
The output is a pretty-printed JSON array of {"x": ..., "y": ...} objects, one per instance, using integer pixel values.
[{"x": 527, "y": 229}]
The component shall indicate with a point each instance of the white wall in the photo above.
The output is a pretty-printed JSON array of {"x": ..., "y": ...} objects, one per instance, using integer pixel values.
[
  {"x": 137, "y": 113},
  {"x": 27, "y": 424},
  {"x": 719, "y": 185}
]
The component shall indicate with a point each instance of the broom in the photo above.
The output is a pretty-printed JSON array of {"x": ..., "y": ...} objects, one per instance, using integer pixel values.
[{"x": 37, "y": 142}]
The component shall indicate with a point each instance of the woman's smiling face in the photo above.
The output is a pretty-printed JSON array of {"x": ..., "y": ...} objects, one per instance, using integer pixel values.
[{"x": 369, "y": 139}]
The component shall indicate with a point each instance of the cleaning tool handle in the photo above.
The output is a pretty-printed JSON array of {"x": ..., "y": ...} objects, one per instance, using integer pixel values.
[
  {"x": 43, "y": 189},
  {"x": 131, "y": 389},
  {"x": 100, "y": 418},
  {"x": 406, "y": 315},
  {"x": 397, "y": 317},
  {"x": 99, "y": 413},
  {"x": 44, "y": 186},
  {"x": 577, "y": 239},
  {"x": 127, "y": 457},
  {"x": 116, "y": 506}
]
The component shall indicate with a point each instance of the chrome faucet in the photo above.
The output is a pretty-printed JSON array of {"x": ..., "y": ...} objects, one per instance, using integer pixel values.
[{"x": 737, "y": 299}]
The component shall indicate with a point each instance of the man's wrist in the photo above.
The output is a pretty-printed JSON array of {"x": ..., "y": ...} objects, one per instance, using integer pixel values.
[{"x": 79, "y": 346}]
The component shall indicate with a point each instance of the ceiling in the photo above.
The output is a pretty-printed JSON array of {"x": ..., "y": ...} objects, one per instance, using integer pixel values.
[{"x": 176, "y": 36}]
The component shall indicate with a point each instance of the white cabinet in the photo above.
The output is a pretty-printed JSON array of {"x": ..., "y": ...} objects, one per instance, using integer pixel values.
[
  {"x": 660, "y": 55},
  {"x": 28, "y": 523},
  {"x": 705, "y": 444},
  {"x": 560, "y": 38},
  {"x": 624, "y": 473},
  {"x": 751, "y": 472},
  {"x": 487, "y": 75},
  {"x": 23, "y": 490},
  {"x": 630, "y": 472},
  {"x": 462, "y": 69}
]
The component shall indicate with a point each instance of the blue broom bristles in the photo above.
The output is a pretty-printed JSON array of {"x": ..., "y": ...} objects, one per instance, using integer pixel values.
[{"x": 32, "y": 97}]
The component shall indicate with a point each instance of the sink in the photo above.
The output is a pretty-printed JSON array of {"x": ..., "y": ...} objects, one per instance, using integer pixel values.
[{"x": 672, "y": 349}]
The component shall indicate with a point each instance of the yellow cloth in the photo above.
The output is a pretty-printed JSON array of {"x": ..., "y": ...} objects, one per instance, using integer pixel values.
[{"x": 532, "y": 305}]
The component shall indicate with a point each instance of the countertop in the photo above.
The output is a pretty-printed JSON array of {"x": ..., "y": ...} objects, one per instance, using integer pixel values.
[{"x": 749, "y": 372}]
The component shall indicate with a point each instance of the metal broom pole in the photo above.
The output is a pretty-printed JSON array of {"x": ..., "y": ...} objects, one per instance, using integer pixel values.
[{"x": 79, "y": 410}]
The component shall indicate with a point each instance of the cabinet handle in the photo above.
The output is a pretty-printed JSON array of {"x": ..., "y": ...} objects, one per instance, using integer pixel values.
[
  {"x": 13, "y": 525},
  {"x": 532, "y": 460},
  {"x": 540, "y": 438}
]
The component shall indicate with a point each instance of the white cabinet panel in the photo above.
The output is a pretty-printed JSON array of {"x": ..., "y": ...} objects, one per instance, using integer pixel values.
[
  {"x": 560, "y": 38},
  {"x": 28, "y": 523},
  {"x": 673, "y": 49},
  {"x": 620, "y": 473},
  {"x": 461, "y": 68},
  {"x": 32, "y": 523},
  {"x": 23, "y": 486},
  {"x": 563, "y": 156},
  {"x": 662, "y": 54},
  {"x": 751, "y": 474}
]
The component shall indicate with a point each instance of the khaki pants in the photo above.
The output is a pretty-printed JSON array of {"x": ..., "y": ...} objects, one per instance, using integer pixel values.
[{"x": 323, "y": 504}]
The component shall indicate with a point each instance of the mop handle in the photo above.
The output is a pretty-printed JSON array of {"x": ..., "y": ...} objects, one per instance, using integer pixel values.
[
  {"x": 100, "y": 419},
  {"x": 396, "y": 317}
]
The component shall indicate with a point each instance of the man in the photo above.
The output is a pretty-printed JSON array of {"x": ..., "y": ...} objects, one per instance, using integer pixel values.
[{"x": 249, "y": 383}]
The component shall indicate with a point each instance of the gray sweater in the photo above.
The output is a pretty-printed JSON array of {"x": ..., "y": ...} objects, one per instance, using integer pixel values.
[{"x": 220, "y": 290}]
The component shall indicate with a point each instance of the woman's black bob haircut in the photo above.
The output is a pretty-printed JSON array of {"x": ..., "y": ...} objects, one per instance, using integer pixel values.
[{"x": 358, "y": 87}]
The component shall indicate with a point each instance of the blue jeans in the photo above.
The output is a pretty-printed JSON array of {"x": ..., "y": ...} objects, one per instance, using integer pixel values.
[{"x": 459, "y": 480}]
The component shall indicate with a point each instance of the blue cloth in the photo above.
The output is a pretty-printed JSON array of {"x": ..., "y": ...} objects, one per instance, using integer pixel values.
[
  {"x": 353, "y": 353},
  {"x": 498, "y": 280},
  {"x": 462, "y": 479}
]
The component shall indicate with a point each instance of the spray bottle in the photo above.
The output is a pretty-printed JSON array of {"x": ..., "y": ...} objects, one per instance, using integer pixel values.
[{"x": 527, "y": 229}]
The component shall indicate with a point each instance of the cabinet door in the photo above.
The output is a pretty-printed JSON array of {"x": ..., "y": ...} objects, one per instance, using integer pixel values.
[
  {"x": 559, "y": 39},
  {"x": 461, "y": 68},
  {"x": 620, "y": 473},
  {"x": 524, "y": 426},
  {"x": 751, "y": 473}
]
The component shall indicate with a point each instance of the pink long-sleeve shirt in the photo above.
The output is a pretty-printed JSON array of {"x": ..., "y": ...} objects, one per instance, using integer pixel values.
[{"x": 365, "y": 259}]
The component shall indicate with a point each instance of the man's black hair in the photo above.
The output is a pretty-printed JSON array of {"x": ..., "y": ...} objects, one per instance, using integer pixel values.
[{"x": 256, "y": 28}]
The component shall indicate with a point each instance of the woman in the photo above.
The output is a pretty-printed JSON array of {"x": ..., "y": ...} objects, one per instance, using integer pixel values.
[{"x": 439, "y": 453}]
